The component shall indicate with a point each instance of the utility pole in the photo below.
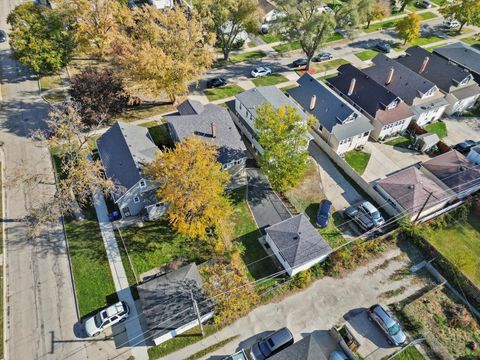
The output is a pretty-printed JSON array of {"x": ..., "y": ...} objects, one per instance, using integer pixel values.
[
  {"x": 197, "y": 312},
  {"x": 423, "y": 206}
]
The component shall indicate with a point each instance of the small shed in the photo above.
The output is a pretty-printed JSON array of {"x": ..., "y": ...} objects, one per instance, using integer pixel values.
[{"x": 427, "y": 141}]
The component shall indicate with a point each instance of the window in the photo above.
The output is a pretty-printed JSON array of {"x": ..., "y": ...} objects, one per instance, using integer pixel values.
[
  {"x": 143, "y": 183},
  {"x": 126, "y": 211},
  {"x": 136, "y": 199}
]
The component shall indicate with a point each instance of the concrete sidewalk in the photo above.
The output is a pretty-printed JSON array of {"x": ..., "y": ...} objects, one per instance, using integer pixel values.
[{"x": 132, "y": 325}]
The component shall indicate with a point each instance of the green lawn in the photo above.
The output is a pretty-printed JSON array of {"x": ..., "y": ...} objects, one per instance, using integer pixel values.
[
  {"x": 389, "y": 24},
  {"x": 335, "y": 37},
  {"x": 159, "y": 133},
  {"x": 472, "y": 40},
  {"x": 328, "y": 65},
  {"x": 144, "y": 111},
  {"x": 246, "y": 56},
  {"x": 459, "y": 243},
  {"x": 223, "y": 92},
  {"x": 411, "y": 353},
  {"x": 438, "y": 128},
  {"x": 91, "y": 271},
  {"x": 272, "y": 79},
  {"x": 50, "y": 82},
  {"x": 400, "y": 141},
  {"x": 358, "y": 160},
  {"x": 288, "y": 46},
  {"x": 271, "y": 38},
  {"x": 425, "y": 40},
  {"x": 428, "y": 15},
  {"x": 366, "y": 54}
]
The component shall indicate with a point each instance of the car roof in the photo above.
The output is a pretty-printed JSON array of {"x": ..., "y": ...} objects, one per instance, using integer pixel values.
[
  {"x": 368, "y": 205},
  {"x": 115, "y": 309},
  {"x": 260, "y": 68},
  {"x": 279, "y": 338},
  {"x": 382, "y": 314},
  {"x": 325, "y": 204}
]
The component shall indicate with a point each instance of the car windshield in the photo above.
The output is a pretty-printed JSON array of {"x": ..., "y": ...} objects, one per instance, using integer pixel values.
[
  {"x": 376, "y": 215},
  {"x": 394, "y": 330},
  {"x": 98, "y": 320},
  {"x": 264, "y": 348}
]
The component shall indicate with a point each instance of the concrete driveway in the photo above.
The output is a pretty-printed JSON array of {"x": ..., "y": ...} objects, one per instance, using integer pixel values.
[
  {"x": 386, "y": 159},
  {"x": 462, "y": 128},
  {"x": 335, "y": 186}
]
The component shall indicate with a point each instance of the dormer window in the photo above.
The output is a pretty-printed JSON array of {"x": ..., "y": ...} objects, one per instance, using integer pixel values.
[
  {"x": 143, "y": 183},
  {"x": 393, "y": 104}
]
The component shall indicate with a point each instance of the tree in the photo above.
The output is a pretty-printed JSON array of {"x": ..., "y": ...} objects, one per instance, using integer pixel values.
[
  {"x": 306, "y": 25},
  {"x": 41, "y": 38},
  {"x": 161, "y": 51},
  {"x": 464, "y": 11},
  {"x": 100, "y": 94},
  {"x": 228, "y": 18},
  {"x": 193, "y": 182},
  {"x": 408, "y": 27},
  {"x": 404, "y": 3},
  {"x": 283, "y": 136},
  {"x": 375, "y": 10}
]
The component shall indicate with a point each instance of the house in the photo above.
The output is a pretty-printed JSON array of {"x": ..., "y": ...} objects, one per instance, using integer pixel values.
[
  {"x": 461, "y": 91},
  {"x": 388, "y": 113},
  {"x": 456, "y": 171},
  {"x": 338, "y": 123},
  {"x": 423, "y": 97},
  {"x": 214, "y": 124},
  {"x": 167, "y": 302},
  {"x": 124, "y": 150},
  {"x": 308, "y": 348},
  {"x": 296, "y": 244},
  {"x": 465, "y": 56},
  {"x": 474, "y": 155},
  {"x": 414, "y": 191},
  {"x": 247, "y": 103}
]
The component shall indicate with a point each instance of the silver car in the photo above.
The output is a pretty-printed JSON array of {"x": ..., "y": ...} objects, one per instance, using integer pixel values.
[
  {"x": 105, "y": 318},
  {"x": 261, "y": 71},
  {"x": 387, "y": 324}
]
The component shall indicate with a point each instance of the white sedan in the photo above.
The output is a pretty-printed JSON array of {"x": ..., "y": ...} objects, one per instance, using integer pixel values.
[
  {"x": 105, "y": 318},
  {"x": 261, "y": 71}
]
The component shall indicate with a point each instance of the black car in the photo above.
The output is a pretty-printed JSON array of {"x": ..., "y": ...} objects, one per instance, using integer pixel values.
[
  {"x": 464, "y": 147},
  {"x": 216, "y": 82},
  {"x": 423, "y": 4},
  {"x": 3, "y": 36},
  {"x": 362, "y": 220},
  {"x": 383, "y": 47},
  {"x": 323, "y": 56},
  {"x": 323, "y": 213},
  {"x": 271, "y": 345},
  {"x": 299, "y": 63}
]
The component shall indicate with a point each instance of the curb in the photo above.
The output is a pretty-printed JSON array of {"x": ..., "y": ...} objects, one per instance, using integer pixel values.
[{"x": 4, "y": 258}]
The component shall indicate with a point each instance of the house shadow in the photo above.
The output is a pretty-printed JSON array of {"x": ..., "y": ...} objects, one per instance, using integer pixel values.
[{"x": 358, "y": 320}]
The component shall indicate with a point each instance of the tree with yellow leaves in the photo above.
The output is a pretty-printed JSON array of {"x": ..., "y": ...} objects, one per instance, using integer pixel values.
[
  {"x": 162, "y": 51},
  {"x": 408, "y": 27},
  {"x": 193, "y": 182}
]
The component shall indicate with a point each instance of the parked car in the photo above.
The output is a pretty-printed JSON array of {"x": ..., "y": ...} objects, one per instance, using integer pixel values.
[
  {"x": 323, "y": 56},
  {"x": 363, "y": 221},
  {"x": 383, "y": 47},
  {"x": 3, "y": 36},
  {"x": 464, "y": 147},
  {"x": 451, "y": 24},
  {"x": 372, "y": 212},
  {"x": 105, "y": 318},
  {"x": 216, "y": 82},
  {"x": 239, "y": 355},
  {"x": 423, "y": 4},
  {"x": 323, "y": 213},
  {"x": 261, "y": 71},
  {"x": 387, "y": 324},
  {"x": 299, "y": 63},
  {"x": 272, "y": 344},
  {"x": 338, "y": 355}
]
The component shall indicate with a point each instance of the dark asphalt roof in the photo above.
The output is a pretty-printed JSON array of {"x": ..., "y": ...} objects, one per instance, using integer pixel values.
[
  {"x": 198, "y": 121},
  {"x": 298, "y": 241},
  {"x": 124, "y": 149},
  {"x": 440, "y": 71},
  {"x": 462, "y": 54},
  {"x": 454, "y": 170},
  {"x": 167, "y": 301},
  {"x": 190, "y": 107},
  {"x": 410, "y": 188},
  {"x": 332, "y": 112},
  {"x": 306, "y": 349},
  {"x": 372, "y": 97},
  {"x": 406, "y": 84}
]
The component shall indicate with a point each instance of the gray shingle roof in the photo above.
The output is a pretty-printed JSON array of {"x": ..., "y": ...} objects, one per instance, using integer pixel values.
[
  {"x": 124, "y": 149},
  {"x": 306, "y": 349},
  {"x": 167, "y": 303},
  {"x": 297, "y": 240},
  {"x": 190, "y": 107},
  {"x": 198, "y": 121},
  {"x": 332, "y": 112},
  {"x": 406, "y": 84},
  {"x": 440, "y": 71},
  {"x": 462, "y": 54}
]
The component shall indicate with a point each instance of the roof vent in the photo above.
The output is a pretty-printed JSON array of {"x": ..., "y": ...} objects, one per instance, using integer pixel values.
[
  {"x": 313, "y": 102},
  {"x": 462, "y": 168},
  {"x": 352, "y": 86},
  {"x": 411, "y": 186},
  {"x": 296, "y": 237}
]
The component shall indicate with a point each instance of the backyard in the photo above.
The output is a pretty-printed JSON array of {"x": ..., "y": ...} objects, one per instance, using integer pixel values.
[
  {"x": 358, "y": 160},
  {"x": 159, "y": 133},
  {"x": 438, "y": 128}
]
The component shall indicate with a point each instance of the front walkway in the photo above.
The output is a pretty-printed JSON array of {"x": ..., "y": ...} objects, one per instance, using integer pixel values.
[{"x": 132, "y": 324}]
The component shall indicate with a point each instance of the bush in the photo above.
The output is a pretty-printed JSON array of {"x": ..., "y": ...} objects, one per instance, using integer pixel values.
[
  {"x": 302, "y": 279},
  {"x": 317, "y": 270}
]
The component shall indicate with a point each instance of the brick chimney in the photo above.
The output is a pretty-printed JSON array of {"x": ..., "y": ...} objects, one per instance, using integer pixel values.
[
  {"x": 313, "y": 102},
  {"x": 214, "y": 130},
  {"x": 352, "y": 86},
  {"x": 389, "y": 78},
  {"x": 424, "y": 64}
]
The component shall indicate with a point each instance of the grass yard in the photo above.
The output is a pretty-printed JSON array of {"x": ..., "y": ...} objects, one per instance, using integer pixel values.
[
  {"x": 159, "y": 133},
  {"x": 50, "y": 82},
  {"x": 383, "y": 25},
  {"x": 410, "y": 353},
  {"x": 271, "y": 38},
  {"x": 246, "y": 56},
  {"x": 428, "y": 15},
  {"x": 366, "y": 54},
  {"x": 472, "y": 40},
  {"x": 223, "y": 92},
  {"x": 335, "y": 37},
  {"x": 328, "y": 65},
  {"x": 435, "y": 313},
  {"x": 400, "y": 141},
  {"x": 144, "y": 111},
  {"x": 358, "y": 160},
  {"x": 459, "y": 243},
  {"x": 286, "y": 47},
  {"x": 91, "y": 271},
  {"x": 425, "y": 40},
  {"x": 438, "y": 128},
  {"x": 268, "y": 80}
]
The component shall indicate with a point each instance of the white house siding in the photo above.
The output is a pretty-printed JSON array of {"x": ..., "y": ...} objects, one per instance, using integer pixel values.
[
  {"x": 383, "y": 131},
  {"x": 352, "y": 143},
  {"x": 457, "y": 106},
  {"x": 128, "y": 199},
  {"x": 244, "y": 114},
  {"x": 426, "y": 117},
  {"x": 181, "y": 329}
]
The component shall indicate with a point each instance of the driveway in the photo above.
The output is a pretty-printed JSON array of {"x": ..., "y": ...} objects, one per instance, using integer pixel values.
[
  {"x": 335, "y": 186},
  {"x": 326, "y": 303},
  {"x": 267, "y": 208},
  {"x": 386, "y": 159},
  {"x": 461, "y": 128}
]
